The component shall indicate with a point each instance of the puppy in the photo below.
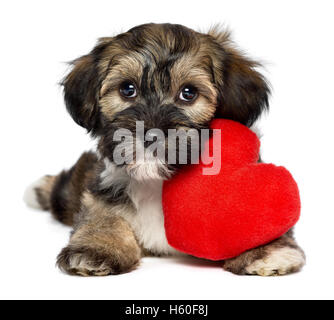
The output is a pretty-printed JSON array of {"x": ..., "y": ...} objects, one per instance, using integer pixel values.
[{"x": 167, "y": 77}]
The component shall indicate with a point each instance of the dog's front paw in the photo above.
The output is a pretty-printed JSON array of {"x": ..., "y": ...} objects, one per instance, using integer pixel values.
[
  {"x": 280, "y": 261},
  {"x": 85, "y": 261}
]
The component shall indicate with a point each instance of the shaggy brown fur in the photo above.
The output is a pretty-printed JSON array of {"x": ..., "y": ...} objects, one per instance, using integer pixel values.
[{"x": 64, "y": 199}]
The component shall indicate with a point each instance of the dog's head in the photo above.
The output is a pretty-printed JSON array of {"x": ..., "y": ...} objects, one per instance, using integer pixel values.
[{"x": 167, "y": 76}]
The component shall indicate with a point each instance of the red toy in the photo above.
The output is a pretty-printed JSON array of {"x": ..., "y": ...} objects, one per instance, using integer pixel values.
[{"x": 246, "y": 205}]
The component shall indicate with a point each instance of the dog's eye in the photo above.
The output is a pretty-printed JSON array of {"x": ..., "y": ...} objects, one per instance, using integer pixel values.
[
  {"x": 188, "y": 93},
  {"x": 128, "y": 90}
]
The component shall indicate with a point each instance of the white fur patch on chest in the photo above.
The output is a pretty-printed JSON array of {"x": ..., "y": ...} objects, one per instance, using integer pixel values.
[{"x": 148, "y": 221}]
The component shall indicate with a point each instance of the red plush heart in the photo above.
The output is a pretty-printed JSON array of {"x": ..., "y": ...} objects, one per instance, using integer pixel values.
[{"x": 246, "y": 205}]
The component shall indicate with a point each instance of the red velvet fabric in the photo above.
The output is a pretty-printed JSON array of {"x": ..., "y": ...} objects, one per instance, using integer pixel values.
[{"x": 246, "y": 205}]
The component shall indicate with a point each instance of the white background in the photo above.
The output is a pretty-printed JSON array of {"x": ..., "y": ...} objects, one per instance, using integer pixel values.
[{"x": 293, "y": 38}]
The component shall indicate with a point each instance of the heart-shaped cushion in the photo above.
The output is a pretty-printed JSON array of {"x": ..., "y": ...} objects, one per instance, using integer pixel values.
[{"x": 246, "y": 205}]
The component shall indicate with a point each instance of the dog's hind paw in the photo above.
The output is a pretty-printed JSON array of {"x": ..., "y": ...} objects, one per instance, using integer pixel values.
[
  {"x": 279, "y": 261},
  {"x": 37, "y": 195}
]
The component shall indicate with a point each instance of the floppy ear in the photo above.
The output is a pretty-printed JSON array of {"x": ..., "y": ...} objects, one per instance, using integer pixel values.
[
  {"x": 82, "y": 87},
  {"x": 243, "y": 91}
]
